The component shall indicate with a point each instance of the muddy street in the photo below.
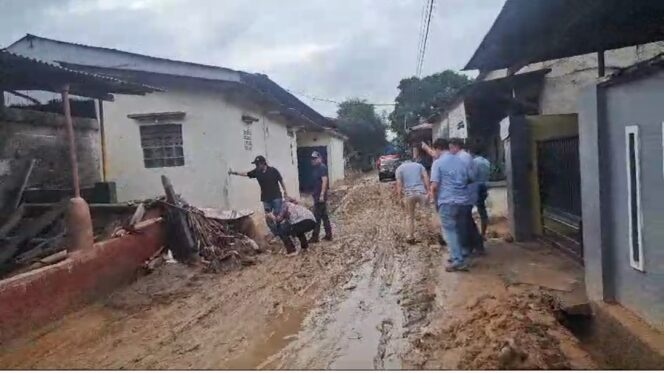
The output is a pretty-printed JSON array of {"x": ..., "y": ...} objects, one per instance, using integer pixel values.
[{"x": 367, "y": 300}]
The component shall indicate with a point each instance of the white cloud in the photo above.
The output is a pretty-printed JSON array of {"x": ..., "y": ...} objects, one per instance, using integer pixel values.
[{"x": 333, "y": 49}]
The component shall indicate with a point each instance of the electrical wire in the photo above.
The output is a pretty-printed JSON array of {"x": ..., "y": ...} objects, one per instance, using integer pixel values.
[
  {"x": 314, "y": 98},
  {"x": 426, "y": 38}
]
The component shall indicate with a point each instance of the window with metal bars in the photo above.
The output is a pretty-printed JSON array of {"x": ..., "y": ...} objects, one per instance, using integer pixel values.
[{"x": 162, "y": 145}]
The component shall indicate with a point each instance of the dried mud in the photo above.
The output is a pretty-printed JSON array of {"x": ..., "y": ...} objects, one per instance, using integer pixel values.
[{"x": 367, "y": 300}]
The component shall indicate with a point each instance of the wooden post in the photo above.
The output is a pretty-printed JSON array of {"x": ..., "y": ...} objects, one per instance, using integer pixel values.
[
  {"x": 72, "y": 141},
  {"x": 601, "y": 64},
  {"x": 102, "y": 133}
]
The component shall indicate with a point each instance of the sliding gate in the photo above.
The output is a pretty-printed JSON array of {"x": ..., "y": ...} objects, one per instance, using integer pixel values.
[{"x": 560, "y": 193}]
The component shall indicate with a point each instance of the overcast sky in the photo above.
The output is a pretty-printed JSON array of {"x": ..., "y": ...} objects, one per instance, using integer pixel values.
[{"x": 332, "y": 49}]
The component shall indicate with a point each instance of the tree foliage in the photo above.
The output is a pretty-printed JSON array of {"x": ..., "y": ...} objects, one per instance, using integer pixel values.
[
  {"x": 421, "y": 98},
  {"x": 365, "y": 129}
]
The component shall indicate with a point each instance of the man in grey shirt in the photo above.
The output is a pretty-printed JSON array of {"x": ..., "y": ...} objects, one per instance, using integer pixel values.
[{"x": 413, "y": 187}]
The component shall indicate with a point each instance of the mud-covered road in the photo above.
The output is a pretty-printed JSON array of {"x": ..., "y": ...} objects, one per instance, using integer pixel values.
[{"x": 365, "y": 301}]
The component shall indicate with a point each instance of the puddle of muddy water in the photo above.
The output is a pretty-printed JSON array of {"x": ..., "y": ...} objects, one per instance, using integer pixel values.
[{"x": 363, "y": 331}]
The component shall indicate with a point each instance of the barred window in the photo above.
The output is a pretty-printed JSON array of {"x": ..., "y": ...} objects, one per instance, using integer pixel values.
[{"x": 162, "y": 145}]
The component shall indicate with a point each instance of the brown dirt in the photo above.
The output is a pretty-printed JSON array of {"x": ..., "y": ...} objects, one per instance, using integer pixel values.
[{"x": 367, "y": 300}]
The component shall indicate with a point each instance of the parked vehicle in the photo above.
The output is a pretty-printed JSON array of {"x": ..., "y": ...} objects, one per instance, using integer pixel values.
[{"x": 387, "y": 165}]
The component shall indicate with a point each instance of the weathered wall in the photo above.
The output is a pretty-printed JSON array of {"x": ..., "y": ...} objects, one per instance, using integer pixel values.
[
  {"x": 213, "y": 139},
  {"x": 454, "y": 123},
  {"x": 26, "y": 134},
  {"x": 32, "y": 299},
  {"x": 638, "y": 103},
  {"x": 568, "y": 76},
  {"x": 335, "y": 151}
]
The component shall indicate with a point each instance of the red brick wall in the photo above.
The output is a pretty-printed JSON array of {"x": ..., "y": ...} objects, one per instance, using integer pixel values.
[{"x": 32, "y": 299}]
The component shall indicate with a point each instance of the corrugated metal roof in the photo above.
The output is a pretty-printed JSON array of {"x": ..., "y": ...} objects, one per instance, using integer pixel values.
[
  {"x": 23, "y": 73},
  {"x": 528, "y": 31}
]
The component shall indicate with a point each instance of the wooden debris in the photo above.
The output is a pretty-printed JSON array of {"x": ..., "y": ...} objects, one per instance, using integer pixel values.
[
  {"x": 13, "y": 245},
  {"x": 24, "y": 183},
  {"x": 12, "y": 221}
]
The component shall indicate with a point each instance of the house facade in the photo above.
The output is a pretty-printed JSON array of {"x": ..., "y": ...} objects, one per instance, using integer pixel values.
[
  {"x": 583, "y": 168},
  {"x": 330, "y": 145},
  {"x": 206, "y": 121},
  {"x": 622, "y": 149}
]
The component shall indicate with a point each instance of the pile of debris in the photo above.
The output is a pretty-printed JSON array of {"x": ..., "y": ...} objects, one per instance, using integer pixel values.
[
  {"x": 30, "y": 242},
  {"x": 208, "y": 237}
]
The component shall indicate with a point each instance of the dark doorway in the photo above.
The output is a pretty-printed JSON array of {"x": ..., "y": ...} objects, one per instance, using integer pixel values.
[
  {"x": 304, "y": 166},
  {"x": 560, "y": 193}
]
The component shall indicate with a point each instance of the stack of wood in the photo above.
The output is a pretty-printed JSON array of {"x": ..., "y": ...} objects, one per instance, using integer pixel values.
[
  {"x": 193, "y": 237},
  {"x": 29, "y": 243}
]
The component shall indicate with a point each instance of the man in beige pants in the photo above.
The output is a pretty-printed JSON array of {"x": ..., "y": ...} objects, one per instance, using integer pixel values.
[{"x": 413, "y": 187}]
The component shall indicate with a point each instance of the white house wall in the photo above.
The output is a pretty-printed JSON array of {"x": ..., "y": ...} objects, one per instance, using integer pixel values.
[
  {"x": 335, "y": 151},
  {"x": 213, "y": 143},
  {"x": 457, "y": 121}
]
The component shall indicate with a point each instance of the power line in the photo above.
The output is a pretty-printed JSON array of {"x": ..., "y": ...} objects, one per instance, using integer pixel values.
[
  {"x": 420, "y": 37},
  {"x": 314, "y": 98},
  {"x": 426, "y": 38}
]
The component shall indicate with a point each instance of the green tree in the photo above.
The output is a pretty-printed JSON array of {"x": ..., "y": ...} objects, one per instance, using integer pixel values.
[
  {"x": 364, "y": 127},
  {"x": 422, "y": 98}
]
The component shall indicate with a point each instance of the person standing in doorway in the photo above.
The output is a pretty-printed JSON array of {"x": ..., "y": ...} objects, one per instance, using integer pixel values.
[
  {"x": 413, "y": 189},
  {"x": 269, "y": 180},
  {"x": 321, "y": 185},
  {"x": 482, "y": 173},
  {"x": 450, "y": 176}
]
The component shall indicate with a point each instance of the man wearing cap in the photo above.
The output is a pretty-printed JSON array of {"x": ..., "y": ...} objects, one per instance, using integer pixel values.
[
  {"x": 269, "y": 180},
  {"x": 319, "y": 193}
]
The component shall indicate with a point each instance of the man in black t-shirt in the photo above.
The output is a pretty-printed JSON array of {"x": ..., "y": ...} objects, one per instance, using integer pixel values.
[
  {"x": 321, "y": 185},
  {"x": 269, "y": 180}
]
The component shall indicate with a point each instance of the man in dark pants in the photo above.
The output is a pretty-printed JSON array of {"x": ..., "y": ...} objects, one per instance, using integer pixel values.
[
  {"x": 294, "y": 221},
  {"x": 269, "y": 180},
  {"x": 319, "y": 193},
  {"x": 469, "y": 236}
]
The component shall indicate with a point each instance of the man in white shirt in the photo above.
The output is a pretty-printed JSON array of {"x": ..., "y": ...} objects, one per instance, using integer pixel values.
[{"x": 294, "y": 220}]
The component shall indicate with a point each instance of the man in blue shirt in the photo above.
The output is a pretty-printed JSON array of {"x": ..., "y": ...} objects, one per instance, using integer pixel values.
[
  {"x": 413, "y": 187},
  {"x": 482, "y": 172},
  {"x": 450, "y": 176},
  {"x": 469, "y": 238},
  {"x": 320, "y": 187}
]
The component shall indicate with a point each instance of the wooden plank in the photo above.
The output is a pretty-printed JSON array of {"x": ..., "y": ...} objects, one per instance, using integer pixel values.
[
  {"x": 24, "y": 183},
  {"x": 12, "y": 222},
  {"x": 33, "y": 229}
]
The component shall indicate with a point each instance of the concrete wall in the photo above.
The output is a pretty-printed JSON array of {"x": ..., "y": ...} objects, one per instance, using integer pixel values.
[
  {"x": 33, "y": 299},
  {"x": 604, "y": 114},
  {"x": 213, "y": 141},
  {"x": 335, "y": 151},
  {"x": 569, "y": 76},
  {"x": 450, "y": 123},
  {"x": 26, "y": 134},
  {"x": 637, "y": 103}
]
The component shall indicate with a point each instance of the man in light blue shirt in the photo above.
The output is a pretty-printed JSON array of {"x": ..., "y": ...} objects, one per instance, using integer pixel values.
[
  {"x": 450, "y": 176},
  {"x": 413, "y": 186},
  {"x": 482, "y": 173}
]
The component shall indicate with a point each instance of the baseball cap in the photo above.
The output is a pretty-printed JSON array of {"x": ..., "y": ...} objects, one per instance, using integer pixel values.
[
  {"x": 259, "y": 160},
  {"x": 315, "y": 154}
]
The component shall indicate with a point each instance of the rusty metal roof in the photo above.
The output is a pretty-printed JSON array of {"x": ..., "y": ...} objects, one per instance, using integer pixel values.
[{"x": 21, "y": 73}]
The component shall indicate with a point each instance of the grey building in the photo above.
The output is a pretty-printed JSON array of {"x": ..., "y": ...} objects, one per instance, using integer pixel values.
[{"x": 622, "y": 180}]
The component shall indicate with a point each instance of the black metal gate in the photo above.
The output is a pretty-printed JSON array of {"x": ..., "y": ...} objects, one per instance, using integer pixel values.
[{"x": 560, "y": 193}]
